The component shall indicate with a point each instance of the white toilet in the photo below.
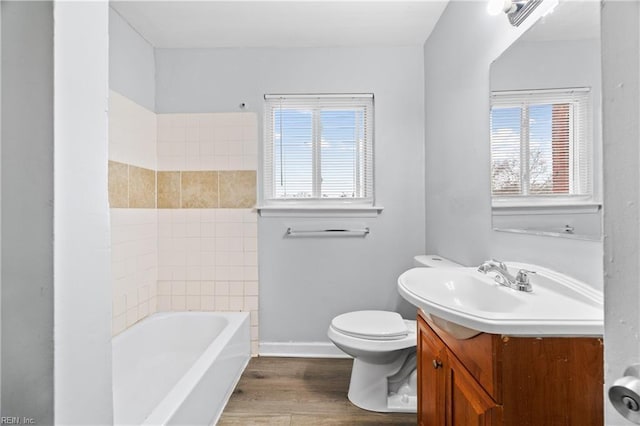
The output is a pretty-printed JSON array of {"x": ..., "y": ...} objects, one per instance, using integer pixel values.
[{"x": 383, "y": 346}]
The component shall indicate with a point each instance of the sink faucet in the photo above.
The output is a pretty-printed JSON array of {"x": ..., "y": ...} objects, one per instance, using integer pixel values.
[{"x": 520, "y": 282}]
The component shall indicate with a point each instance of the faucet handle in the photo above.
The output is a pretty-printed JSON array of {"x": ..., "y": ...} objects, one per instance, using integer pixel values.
[
  {"x": 499, "y": 263},
  {"x": 522, "y": 280},
  {"x": 486, "y": 265},
  {"x": 523, "y": 275}
]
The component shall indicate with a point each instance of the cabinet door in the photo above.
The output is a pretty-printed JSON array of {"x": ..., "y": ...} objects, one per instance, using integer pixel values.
[
  {"x": 431, "y": 377},
  {"x": 467, "y": 403}
]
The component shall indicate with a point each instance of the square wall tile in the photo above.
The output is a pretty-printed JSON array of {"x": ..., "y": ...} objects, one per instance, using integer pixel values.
[
  {"x": 193, "y": 303},
  {"x": 118, "y": 185},
  {"x": 178, "y": 303},
  {"x": 132, "y": 316},
  {"x": 236, "y": 303},
  {"x": 118, "y": 324},
  {"x": 199, "y": 189},
  {"x": 193, "y": 288},
  {"x": 207, "y": 288},
  {"x": 237, "y": 189},
  {"x": 142, "y": 188},
  {"x": 164, "y": 288},
  {"x": 163, "y": 303},
  {"x": 207, "y": 303},
  {"x": 168, "y": 190},
  {"x": 132, "y": 132},
  {"x": 178, "y": 288}
]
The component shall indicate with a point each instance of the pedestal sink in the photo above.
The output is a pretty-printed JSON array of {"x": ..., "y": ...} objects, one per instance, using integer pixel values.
[{"x": 466, "y": 302}]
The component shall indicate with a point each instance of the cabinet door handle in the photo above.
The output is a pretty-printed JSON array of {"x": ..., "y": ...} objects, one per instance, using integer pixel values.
[{"x": 437, "y": 364}]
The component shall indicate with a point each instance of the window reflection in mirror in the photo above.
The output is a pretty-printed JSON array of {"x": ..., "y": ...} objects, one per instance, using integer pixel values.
[{"x": 546, "y": 144}]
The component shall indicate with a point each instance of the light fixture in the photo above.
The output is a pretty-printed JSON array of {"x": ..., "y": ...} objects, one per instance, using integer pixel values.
[{"x": 516, "y": 10}]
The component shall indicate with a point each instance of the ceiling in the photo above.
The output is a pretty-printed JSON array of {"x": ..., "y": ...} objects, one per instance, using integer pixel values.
[{"x": 239, "y": 23}]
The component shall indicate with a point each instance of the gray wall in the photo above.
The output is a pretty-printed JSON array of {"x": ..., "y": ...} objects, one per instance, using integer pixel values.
[
  {"x": 305, "y": 282},
  {"x": 0, "y": 212},
  {"x": 27, "y": 210},
  {"x": 621, "y": 132},
  {"x": 131, "y": 63},
  {"x": 458, "y": 213}
]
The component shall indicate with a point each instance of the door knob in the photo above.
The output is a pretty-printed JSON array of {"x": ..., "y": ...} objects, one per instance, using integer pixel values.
[
  {"x": 625, "y": 394},
  {"x": 437, "y": 364}
]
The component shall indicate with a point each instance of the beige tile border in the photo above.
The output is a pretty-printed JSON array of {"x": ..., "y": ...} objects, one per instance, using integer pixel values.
[
  {"x": 199, "y": 190},
  {"x": 136, "y": 187},
  {"x": 169, "y": 190},
  {"x": 237, "y": 189},
  {"x": 142, "y": 188},
  {"x": 118, "y": 185}
]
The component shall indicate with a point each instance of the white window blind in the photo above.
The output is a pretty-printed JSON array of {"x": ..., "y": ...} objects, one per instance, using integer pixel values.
[
  {"x": 318, "y": 148},
  {"x": 541, "y": 145}
]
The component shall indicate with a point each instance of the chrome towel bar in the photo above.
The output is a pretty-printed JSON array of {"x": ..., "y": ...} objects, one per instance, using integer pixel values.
[{"x": 328, "y": 232}]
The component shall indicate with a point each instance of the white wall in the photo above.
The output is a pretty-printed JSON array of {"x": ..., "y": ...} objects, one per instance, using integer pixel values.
[
  {"x": 548, "y": 65},
  {"x": 458, "y": 214},
  {"x": 305, "y": 282},
  {"x": 621, "y": 95},
  {"x": 131, "y": 63},
  {"x": 82, "y": 323},
  {"x": 27, "y": 212}
]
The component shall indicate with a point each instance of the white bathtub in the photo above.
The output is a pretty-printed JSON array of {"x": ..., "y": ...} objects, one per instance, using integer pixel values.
[{"x": 178, "y": 368}]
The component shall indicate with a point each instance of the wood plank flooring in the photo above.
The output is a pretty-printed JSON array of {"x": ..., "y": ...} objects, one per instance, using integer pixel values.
[{"x": 300, "y": 392}]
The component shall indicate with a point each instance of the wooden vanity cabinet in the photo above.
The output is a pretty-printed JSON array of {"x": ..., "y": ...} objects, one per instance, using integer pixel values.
[
  {"x": 432, "y": 361},
  {"x": 493, "y": 380}
]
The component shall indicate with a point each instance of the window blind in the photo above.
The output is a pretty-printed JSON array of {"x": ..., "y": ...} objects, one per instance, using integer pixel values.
[
  {"x": 318, "y": 147},
  {"x": 541, "y": 144}
]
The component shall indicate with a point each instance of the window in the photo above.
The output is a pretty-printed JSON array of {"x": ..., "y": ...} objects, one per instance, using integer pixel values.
[
  {"x": 541, "y": 146},
  {"x": 318, "y": 149}
]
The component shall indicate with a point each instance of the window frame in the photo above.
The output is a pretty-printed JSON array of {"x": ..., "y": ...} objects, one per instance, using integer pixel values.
[
  {"x": 506, "y": 99},
  {"x": 362, "y": 206}
]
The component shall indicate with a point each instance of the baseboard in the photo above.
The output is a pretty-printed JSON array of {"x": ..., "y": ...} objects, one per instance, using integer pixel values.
[{"x": 301, "y": 350}]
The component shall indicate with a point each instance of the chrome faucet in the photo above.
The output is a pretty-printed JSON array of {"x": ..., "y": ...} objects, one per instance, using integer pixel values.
[{"x": 520, "y": 282}]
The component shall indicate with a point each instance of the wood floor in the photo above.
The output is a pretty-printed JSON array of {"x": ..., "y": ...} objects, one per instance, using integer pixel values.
[{"x": 300, "y": 391}]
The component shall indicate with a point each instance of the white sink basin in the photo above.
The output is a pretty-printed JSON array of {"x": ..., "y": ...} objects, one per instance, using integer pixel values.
[{"x": 466, "y": 302}]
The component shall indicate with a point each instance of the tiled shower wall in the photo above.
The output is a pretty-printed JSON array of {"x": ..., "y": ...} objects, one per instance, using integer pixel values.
[
  {"x": 134, "y": 260},
  {"x": 208, "y": 252},
  {"x": 203, "y": 193},
  {"x": 134, "y": 220}
]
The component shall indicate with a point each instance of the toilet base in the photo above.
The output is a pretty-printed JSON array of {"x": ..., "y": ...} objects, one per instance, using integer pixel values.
[
  {"x": 369, "y": 387},
  {"x": 402, "y": 403}
]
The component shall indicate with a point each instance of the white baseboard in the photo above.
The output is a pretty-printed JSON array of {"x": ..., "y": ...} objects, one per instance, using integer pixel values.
[{"x": 301, "y": 350}]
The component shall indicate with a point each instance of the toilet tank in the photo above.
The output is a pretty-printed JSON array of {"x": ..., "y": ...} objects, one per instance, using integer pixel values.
[{"x": 434, "y": 261}]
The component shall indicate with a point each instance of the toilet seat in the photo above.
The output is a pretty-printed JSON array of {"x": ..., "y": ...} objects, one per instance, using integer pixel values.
[{"x": 371, "y": 325}]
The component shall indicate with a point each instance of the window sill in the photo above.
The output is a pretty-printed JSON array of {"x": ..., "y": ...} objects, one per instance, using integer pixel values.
[
  {"x": 319, "y": 211},
  {"x": 504, "y": 209}
]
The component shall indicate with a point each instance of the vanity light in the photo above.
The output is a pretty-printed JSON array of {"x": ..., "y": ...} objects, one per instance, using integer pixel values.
[
  {"x": 496, "y": 6},
  {"x": 516, "y": 10}
]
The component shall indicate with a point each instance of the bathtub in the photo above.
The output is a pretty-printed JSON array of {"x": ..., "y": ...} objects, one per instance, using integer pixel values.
[{"x": 178, "y": 368}]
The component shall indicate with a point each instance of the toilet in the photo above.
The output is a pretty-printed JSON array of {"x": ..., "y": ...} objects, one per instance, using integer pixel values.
[{"x": 383, "y": 345}]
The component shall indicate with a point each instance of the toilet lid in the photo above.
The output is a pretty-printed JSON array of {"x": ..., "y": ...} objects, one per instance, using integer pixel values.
[{"x": 375, "y": 325}]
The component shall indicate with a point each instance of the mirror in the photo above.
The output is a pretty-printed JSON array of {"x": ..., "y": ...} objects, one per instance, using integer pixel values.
[{"x": 546, "y": 136}]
